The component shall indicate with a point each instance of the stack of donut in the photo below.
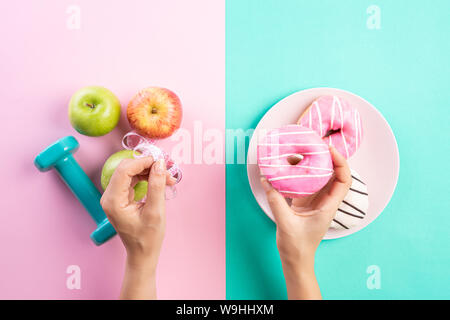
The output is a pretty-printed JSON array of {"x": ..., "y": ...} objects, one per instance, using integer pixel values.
[{"x": 296, "y": 160}]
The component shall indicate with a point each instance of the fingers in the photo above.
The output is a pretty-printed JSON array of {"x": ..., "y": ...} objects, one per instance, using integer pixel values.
[
  {"x": 170, "y": 181},
  {"x": 302, "y": 202},
  {"x": 342, "y": 179},
  {"x": 155, "y": 203},
  {"x": 277, "y": 203},
  {"x": 122, "y": 178},
  {"x": 341, "y": 168}
]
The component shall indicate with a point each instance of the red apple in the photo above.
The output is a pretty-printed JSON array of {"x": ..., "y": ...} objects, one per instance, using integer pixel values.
[{"x": 155, "y": 112}]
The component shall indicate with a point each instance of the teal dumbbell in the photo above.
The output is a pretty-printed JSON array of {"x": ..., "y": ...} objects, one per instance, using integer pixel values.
[{"x": 59, "y": 156}]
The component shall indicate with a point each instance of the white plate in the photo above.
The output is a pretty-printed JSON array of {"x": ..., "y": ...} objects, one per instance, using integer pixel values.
[{"x": 377, "y": 159}]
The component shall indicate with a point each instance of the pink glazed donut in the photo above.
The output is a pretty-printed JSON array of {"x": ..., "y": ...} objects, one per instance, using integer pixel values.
[
  {"x": 295, "y": 160},
  {"x": 336, "y": 121}
]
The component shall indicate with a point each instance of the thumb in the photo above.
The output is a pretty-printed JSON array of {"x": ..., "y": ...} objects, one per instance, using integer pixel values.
[
  {"x": 277, "y": 202},
  {"x": 155, "y": 203}
]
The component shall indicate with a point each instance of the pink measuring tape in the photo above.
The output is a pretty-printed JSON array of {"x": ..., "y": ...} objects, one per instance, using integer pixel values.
[{"x": 143, "y": 147}]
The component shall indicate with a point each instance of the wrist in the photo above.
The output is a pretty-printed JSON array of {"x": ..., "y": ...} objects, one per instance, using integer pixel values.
[
  {"x": 297, "y": 264},
  {"x": 297, "y": 273},
  {"x": 296, "y": 256},
  {"x": 139, "y": 281},
  {"x": 297, "y": 268},
  {"x": 143, "y": 266}
]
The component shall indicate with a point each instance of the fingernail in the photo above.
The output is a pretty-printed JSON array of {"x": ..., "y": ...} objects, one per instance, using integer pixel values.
[{"x": 160, "y": 166}]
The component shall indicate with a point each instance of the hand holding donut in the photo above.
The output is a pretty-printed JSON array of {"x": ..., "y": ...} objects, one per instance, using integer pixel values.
[{"x": 301, "y": 226}]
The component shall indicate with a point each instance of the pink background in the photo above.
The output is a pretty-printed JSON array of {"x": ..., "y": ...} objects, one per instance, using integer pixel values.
[{"x": 124, "y": 46}]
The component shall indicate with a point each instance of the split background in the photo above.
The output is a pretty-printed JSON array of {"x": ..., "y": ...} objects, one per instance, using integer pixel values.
[{"x": 229, "y": 62}]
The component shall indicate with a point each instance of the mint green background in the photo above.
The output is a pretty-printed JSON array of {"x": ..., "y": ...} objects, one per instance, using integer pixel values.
[{"x": 274, "y": 48}]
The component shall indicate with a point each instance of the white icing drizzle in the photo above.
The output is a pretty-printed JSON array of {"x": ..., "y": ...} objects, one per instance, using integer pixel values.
[
  {"x": 291, "y": 144},
  {"x": 306, "y": 193},
  {"x": 320, "y": 117},
  {"x": 345, "y": 144},
  {"x": 288, "y": 133},
  {"x": 295, "y": 166},
  {"x": 292, "y": 154},
  {"x": 313, "y": 153},
  {"x": 310, "y": 119},
  {"x": 332, "y": 113},
  {"x": 332, "y": 120},
  {"x": 342, "y": 127},
  {"x": 300, "y": 176},
  {"x": 360, "y": 125},
  {"x": 278, "y": 156},
  {"x": 356, "y": 126}
]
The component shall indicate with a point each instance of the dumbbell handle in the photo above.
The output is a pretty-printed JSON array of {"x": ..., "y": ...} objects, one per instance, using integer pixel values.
[{"x": 81, "y": 186}]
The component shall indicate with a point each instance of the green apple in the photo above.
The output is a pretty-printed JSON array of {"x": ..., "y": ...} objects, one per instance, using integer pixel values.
[
  {"x": 94, "y": 111},
  {"x": 140, "y": 190}
]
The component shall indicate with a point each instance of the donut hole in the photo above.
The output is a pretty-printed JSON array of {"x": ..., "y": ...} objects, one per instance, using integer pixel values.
[
  {"x": 294, "y": 159},
  {"x": 331, "y": 131}
]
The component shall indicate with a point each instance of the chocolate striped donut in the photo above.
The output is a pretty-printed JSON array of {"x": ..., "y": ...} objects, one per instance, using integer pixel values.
[
  {"x": 336, "y": 121},
  {"x": 295, "y": 160},
  {"x": 353, "y": 209}
]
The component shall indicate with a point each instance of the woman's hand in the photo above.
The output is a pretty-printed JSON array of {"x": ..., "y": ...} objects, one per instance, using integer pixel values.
[
  {"x": 301, "y": 227},
  {"x": 141, "y": 226}
]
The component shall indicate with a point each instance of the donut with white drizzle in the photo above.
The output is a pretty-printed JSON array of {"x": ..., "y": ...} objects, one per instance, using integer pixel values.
[
  {"x": 336, "y": 121},
  {"x": 295, "y": 160}
]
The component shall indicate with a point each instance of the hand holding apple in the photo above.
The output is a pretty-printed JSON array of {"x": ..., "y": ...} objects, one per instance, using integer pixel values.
[{"x": 140, "y": 189}]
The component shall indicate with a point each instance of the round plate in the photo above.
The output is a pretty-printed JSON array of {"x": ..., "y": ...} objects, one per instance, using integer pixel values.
[{"x": 377, "y": 159}]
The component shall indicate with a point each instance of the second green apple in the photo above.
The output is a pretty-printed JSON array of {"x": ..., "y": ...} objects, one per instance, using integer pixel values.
[{"x": 140, "y": 190}]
